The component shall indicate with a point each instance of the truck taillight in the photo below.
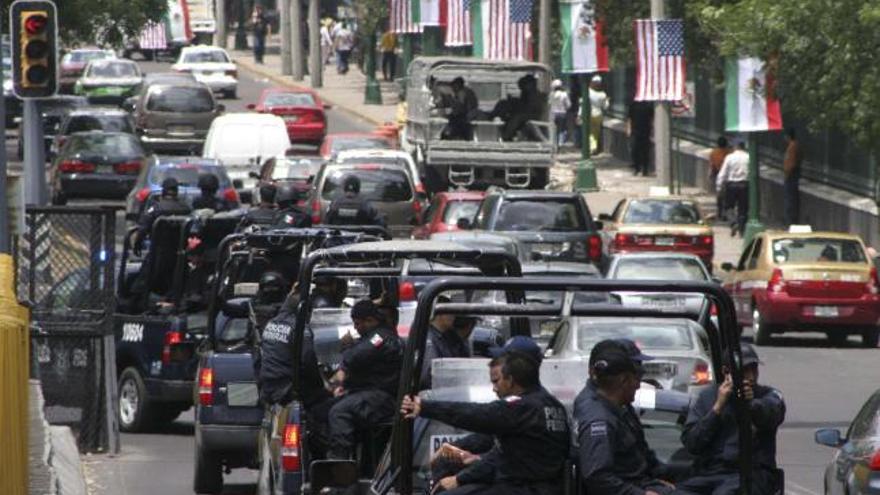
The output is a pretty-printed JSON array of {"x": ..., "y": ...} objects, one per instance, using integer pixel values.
[
  {"x": 873, "y": 283},
  {"x": 594, "y": 247},
  {"x": 776, "y": 282},
  {"x": 206, "y": 386},
  {"x": 171, "y": 338},
  {"x": 417, "y": 210},
  {"x": 316, "y": 212},
  {"x": 406, "y": 291},
  {"x": 702, "y": 374},
  {"x": 290, "y": 460},
  {"x": 231, "y": 195},
  {"x": 143, "y": 194},
  {"x": 874, "y": 465}
]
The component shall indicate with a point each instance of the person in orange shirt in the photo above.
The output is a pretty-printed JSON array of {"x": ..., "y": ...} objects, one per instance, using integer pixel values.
[
  {"x": 791, "y": 169},
  {"x": 388, "y": 45},
  {"x": 716, "y": 159}
]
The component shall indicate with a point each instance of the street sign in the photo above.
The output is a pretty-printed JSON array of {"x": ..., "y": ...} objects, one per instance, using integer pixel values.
[{"x": 34, "y": 36}]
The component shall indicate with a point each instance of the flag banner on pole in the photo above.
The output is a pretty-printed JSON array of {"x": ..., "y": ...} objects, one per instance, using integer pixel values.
[
  {"x": 660, "y": 64},
  {"x": 458, "y": 23},
  {"x": 401, "y": 19},
  {"x": 584, "y": 48},
  {"x": 425, "y": 12},
  {"x": 501, "y": 29},
  {"x": 752, "y": 104},
  {"x": 153, "y": 37}
]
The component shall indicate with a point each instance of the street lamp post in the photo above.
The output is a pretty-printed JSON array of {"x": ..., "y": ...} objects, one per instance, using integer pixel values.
[
  {"x": 753, "y": 225},
  {"x": 372, "y": 91},
  {"x": 240, "y": 33}
]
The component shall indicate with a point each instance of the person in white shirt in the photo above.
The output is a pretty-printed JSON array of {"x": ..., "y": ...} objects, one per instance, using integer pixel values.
[
  {"x": 734, "y": 175},
  {"x": 326, "y": 43},
  {"x": 559, "y": 105},
  {"x": 598, "y": 106},
  {"x": 344, "y": 44}
]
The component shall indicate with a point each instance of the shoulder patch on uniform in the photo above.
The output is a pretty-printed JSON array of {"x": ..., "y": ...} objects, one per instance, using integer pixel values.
[
  {"x": 377, "y": 341},
  {"x": 598, "y": 429},
  {"x": 512, "y": 398}
]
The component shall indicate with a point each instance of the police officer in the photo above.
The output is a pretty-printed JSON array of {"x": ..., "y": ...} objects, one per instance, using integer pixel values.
[
  {"x": 614, "y": 456},
  {"x": 529, "y": 425},
  {"x": 350, "y": 209},
  {"x": 329, "y": 292},
  {"x": 443, "y": 342},
  {"x": 168, "y": 204},
  {"x": 368, "y": 379},
  {"x": 289, "y": 214},
  {"x": 209, "y": 185},
  {"x": 263, "y": 213},
  {"x": 271, "y": 293},
  {"x": 711, "y": 434}
]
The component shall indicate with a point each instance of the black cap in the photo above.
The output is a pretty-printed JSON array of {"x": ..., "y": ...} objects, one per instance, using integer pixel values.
[
  {"x": 169, "y": 184},
  {"x": 616, "y": 355},
  {"x": 749, "y": 355},
  {"x": 365, "y": 308},
  {"x": 351, "y": 184},
  {"x": 520, "y": 344},
  {"x": 209, "y": 181}
]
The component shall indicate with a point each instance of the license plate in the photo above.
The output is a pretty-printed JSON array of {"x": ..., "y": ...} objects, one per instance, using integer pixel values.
[
  {"x": 207, "y": 73},
  {"x": 290, "y": 118},
  {"x": 242, "y": 394},
  {"x": 661, "y": 369},
  {"x": 663, "y": 302},
  {"x": 180, "y": 129},
  {"x": 664, "y": 241},
  {"x": 825, "y": 311}
]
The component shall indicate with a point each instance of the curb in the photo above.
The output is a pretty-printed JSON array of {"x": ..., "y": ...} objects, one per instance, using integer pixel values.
[{"x": 284, "y": 81}]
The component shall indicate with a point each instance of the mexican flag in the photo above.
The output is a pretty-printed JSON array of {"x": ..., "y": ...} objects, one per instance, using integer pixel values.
[
  {"x": 425, "y": 12},
  {"x": 584, "y": 48},
  {"x": 751, "y": 97}
]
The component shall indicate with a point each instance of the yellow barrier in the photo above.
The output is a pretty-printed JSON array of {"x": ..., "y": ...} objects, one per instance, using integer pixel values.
[{"x": 14, "y": 358}]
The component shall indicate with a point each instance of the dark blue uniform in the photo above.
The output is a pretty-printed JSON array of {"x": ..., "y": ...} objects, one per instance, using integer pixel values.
[
  {"x": 372, "y": 374},
  {"x": 614, "y": 456},
  {"x": 293, "y": 217},
  {"x": 441, "y": 345},
  {"x": 353, "y": 211},
  {"x": 532, "y": 440},
  {"x": 713, "y": 440}
]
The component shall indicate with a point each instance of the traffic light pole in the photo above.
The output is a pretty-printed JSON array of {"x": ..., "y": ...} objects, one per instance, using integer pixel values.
[
  {"x": 5, "y": 244},
  {"x": 36, "y": 190}
]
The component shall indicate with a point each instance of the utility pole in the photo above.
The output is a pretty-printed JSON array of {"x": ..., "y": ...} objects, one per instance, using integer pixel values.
[
  {"x": 296, "y": 39},
  {"x": 240, "y": 33},
  {"x": 662, "y": 136},
  {"x": 5, "y": 241},
  {"x": 753, "y": 225},
  {"x": 36, "y": 191},
  {"x": 286, "y": 27},
  {"x": 316, "y": 64},
  {"x": 220, "y": 25},
  {"x": 544, "y": 32}
]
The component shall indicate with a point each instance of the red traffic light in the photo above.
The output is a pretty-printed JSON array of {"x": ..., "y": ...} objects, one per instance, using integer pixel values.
[{"x": 36, "y": 23}]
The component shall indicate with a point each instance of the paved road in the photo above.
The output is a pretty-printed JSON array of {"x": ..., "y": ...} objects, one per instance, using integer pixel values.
[{"x": 162, "y": 462}]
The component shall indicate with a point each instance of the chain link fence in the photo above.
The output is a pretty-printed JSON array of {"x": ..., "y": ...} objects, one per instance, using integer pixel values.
[{"x": 66, "y": 275}]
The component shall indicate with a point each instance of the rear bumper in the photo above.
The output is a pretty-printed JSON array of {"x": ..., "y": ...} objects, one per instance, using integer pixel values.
[
  {"x": 218, "y": 85},
  {"x": 94, "y": 186},
  {"x": 798, "y": 313},
  {"x": 704, "y": 254},
  {"x": 169, "y": 390},
  {"x": 229, "y": 438},
  {"x": 173, "y": 144},
  {"x": 306, "y": 133}
]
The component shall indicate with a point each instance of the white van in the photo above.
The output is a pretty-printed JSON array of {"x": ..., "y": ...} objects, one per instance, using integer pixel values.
[{"x": 241, "y": 141}]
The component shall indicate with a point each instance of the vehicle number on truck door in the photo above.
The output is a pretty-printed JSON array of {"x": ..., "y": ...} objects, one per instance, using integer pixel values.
[
  {"x": 438, "y": 440},
  {"x": 132, "y": 332}
]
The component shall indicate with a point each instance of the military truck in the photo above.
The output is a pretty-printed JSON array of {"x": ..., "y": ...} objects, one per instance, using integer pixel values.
[{"x": 497, "y": 154}]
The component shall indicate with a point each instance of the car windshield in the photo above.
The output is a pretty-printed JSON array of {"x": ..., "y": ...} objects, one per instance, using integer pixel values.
[
  {"x": 289, "y": 100},
  {"x": 187, "y": 174},
  {"x": 540, "y": 214},
  {"x": 295, "y": 168},
  {"x": 352, "y": 143},
  {"x": 105, "y": 144},
  {"x": 111, "y": 123},
  {"x": 656, "y": 336},
  {"x": 456, "y": 210},
  {"x": 113, "y": 69},
  {"x": 86, "y": 56},
  {"x": 181, "y": 99},
  {"x": 651, "y": 211},
  {"x": 818, "y": 249},
  {"x": 212, "y": 56},
  {"x": 383, "y": 160},
  {"x": 383, "y": 185},
  {"x": 658, "y": 269}
]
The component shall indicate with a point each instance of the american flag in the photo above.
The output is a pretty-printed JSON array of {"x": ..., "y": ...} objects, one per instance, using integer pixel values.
[
  {"x": 660, "y": 64},
  {"x": 401, "y": 20},
  {"x": 509, "y": 30},
  {"x": 153, "y": 37},
  {"x": 458, "y": 23}
]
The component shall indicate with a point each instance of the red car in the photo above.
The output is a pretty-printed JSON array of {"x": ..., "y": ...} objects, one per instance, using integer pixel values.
[
  {"x": 445, "y": 211},
  {"x": 301, "y": 109},
  {"x": 341, "y": 141}
]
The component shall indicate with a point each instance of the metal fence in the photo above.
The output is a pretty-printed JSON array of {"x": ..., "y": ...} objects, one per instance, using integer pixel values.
[
  {"x": 830, "y": 157},
  {"x": 66, "y": 273}
]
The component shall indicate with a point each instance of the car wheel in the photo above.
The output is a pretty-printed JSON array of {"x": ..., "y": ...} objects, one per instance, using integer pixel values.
[
  {"x": 208, "y": 474},
  {"x": 870, "y": 337},
  {"x": 133, "y": 402},
  {"x": 59, "y": 198},
  {"x": 761, "y": 330}
]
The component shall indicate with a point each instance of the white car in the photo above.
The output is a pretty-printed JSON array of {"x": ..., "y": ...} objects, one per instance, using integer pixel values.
[
  {"x": 379, "y": 156},
  {"x": 210, "y": 65}
]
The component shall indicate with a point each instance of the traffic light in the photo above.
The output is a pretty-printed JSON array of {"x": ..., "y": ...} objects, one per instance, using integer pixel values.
[{"x": 34, "y": 33}]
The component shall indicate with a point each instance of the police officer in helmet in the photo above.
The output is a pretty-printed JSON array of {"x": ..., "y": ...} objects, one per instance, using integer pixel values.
[
  {"x": 289, "y": 214},
  {"x": 350, "y": 208},
  {"x": 263, "y": 213},
  {"x": 614, "y": 456},
  {"x": 168, "y": 204},
  {"x": 209, "y": 185}
]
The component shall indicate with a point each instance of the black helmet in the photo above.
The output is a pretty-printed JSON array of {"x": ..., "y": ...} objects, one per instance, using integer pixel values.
[
  {"x": 208, "y": 182},
  {"x": 272, "y": 288},
  {"x": 267, "y": 193},
  {"x": 169, "y": 186},
  {"x": 351, "y": 184},
  {"x": 287, "y": 195}
]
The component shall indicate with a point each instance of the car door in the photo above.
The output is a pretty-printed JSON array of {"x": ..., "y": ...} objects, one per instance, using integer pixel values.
[
  {"x": 428, "y": 220},
  {"x": 734, "y": 285},
  {"x": 850, "y": 463}
]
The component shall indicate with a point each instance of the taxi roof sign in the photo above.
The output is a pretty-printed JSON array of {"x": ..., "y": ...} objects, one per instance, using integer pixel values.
[
  {"x": 658, "y": 191},
  {"x": 800, "y": 229}
]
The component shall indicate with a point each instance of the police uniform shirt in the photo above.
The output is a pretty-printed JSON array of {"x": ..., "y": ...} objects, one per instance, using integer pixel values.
[
  {"x": 211, "y": 203},
  {"x": 276, "y": 368},
  {"x": 441, "y": 345},
  {"x": 352, "y": 211},
  {"x": 714, "y": 439},
  {"x": 531, "y": 432},
  {"x": 373, "y": 362},
  {"x": 259, "y": 215},
  {"x": 160, "y": 208},
  {"x": 614, "y": 455},
  {"x": 293, "y": 217}
]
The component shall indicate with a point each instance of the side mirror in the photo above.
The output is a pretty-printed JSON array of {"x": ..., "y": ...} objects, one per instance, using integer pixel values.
[
  {"x": 220, "y": 108},
  {"x": 604, "y": 217},
  {"x": 254, "y": 175},
  {"x": 727, "y": 266},
  {"x": 129, "y": 104},
  {"x": 251, "y": 106},
  {"x": 328, "y": 106},
  {"x": 463, "y": 224},
  {"x": 717, "y": 280},
  {"x": 333, "y": 474},
  {"x": 237, "y": 183},
  {"x": 598, "y": 224},
  {"x": 830, "y": 437}
]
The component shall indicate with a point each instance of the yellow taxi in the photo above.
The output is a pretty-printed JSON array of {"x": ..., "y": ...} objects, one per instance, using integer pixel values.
[
  {"x": 667, "y": 223},
  {"x": 799, "y": 280}
]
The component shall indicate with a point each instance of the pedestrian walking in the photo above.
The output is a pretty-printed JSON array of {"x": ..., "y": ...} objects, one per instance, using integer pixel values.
[
  {"x": 388, "y": 45},
  {"x": 260, "y": 26},
  {"x": 573, "y": 122},
  {"x": 326, "y": 41},
  {"x": 791, "y": 168},
  {"x": 639, "y": 125},
  {"x": 733, "y": 177},
  {"x": 344, "y": 41},
  {"x": 560, "y": 103},
  {"x": 716, "y": 159},
  {"x": 598, "y": 106}
]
